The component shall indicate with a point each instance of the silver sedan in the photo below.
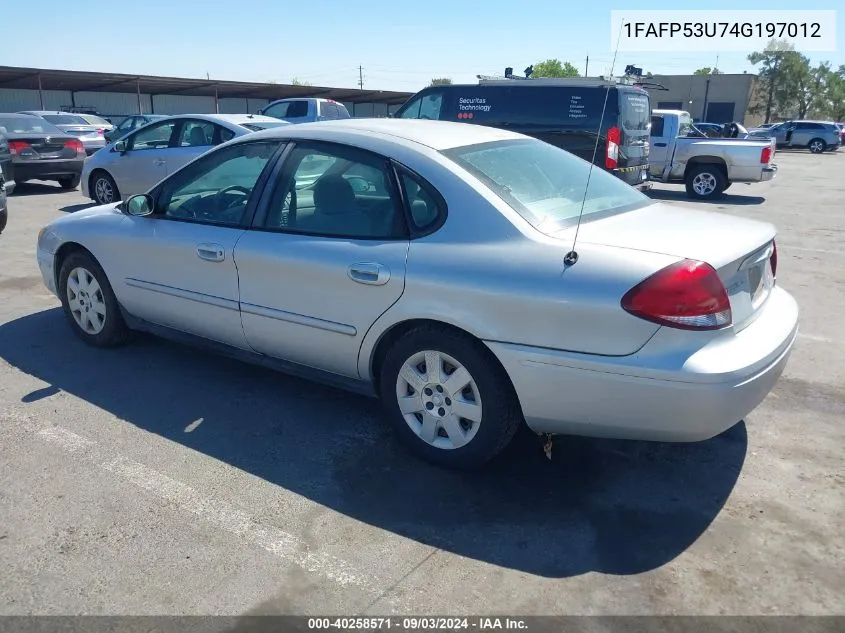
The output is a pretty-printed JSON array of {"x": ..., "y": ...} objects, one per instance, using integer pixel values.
[
  {"x": 473, "y": 279},
  {"x": 136, "y": 162}
]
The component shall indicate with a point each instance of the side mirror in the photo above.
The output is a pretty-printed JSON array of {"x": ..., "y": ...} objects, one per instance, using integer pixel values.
[
  {"x": 139, "y": 205},
  {"x": 120, "y": 146}
]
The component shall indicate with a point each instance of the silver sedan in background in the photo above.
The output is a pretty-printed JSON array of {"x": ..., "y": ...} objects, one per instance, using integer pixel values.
[
  {"x": 134, "y": 163},
  {"x": 91, "y": 135},
  {"x": 435, "y": 266}
]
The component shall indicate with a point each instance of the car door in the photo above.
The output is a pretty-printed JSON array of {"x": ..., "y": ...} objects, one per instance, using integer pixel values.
[
  {"x": 177, "y": 266},
  {"x": 327, "y": 257},
  {"x": 144, "y": 162}
]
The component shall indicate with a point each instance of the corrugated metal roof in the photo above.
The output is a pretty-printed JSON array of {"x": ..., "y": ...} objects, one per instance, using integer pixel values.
[{"x": 78, "y": 81}]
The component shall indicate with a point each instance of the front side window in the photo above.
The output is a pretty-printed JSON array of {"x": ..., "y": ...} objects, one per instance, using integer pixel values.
[
  {"x": 156, "y": 136},
  {"x": 544, "y": 184},
  {"x": 336, "y": 191},
  {"x": 427, "y": 106},
  {"x": 217, "y": 188}
]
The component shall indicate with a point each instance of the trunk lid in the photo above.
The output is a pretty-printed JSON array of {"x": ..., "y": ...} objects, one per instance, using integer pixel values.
[
  {"x": 43, "y": 147},
  {"x": 739, "y": 249}
]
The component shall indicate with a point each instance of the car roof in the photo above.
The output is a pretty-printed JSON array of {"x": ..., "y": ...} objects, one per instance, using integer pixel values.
[
  {"x": 40, "y": 112},
  {"x": 15, "y": 115},
  {"x": 438, "y": 135},
  {"x": 244, "y": 118}
]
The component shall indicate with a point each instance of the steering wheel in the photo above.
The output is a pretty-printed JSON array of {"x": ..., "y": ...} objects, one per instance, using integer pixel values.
[{"x": 219, "y": 195}]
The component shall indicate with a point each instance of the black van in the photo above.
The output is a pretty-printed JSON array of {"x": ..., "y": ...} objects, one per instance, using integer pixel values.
[{"x": 563, "y": 112}]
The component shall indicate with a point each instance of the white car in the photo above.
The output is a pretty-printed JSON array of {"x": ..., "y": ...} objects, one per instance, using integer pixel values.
[
  {"x": 134, "y": 163},
  {"x": 431, "y": 264}
]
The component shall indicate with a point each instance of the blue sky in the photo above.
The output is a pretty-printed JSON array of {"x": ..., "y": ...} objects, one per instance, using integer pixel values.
[{"x": 401, "y": 45}]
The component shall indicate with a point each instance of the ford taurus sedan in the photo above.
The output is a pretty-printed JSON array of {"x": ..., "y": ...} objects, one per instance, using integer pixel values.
[
  {"x": 136, "y": 162},
  {"x": 435, "y": 265}
]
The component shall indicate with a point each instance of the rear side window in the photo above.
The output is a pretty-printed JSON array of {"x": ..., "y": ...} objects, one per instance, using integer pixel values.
[
  {"x": 571, "y": 107},
  {"x": 657, "y": 126},
  {"x": 328, "y": 110}
]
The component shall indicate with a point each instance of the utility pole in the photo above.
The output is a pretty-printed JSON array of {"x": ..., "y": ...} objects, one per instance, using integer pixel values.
[
  {"x": 587, "y": 67},
  {"x": 361, "y": 77}
]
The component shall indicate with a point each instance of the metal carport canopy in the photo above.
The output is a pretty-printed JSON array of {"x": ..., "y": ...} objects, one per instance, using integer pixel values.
[{"x": 82, "y": 81}]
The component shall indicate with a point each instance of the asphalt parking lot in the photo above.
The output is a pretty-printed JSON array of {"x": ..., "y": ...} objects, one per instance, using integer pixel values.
[{"x": 155, "y": 479}]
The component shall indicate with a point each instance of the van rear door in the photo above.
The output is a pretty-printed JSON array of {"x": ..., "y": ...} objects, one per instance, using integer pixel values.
[{"x": 635, "y": 123}]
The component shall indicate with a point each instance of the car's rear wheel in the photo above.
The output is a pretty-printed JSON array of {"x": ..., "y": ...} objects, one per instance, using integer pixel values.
[
  {"x": 69, "y": 182},
  {"x": 705, "y": 181},
  {"x": 447, "y": 398},
  {"x": 817, "y": 146},
  {"x": 89, "y": 303},
  {"x": 103, "y": 188}
]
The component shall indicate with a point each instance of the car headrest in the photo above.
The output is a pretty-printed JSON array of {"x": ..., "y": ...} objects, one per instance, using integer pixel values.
[{"x": 333, "y": 195}]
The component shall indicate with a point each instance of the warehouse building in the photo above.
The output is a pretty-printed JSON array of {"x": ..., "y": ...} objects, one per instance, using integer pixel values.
[
  {"x": 713, "y": 98},
  {"x": 116, "y": 96}
]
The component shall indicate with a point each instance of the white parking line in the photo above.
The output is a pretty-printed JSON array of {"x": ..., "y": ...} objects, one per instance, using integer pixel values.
[
  {"x": 813, "y": 337},
  {"x": 221, "y": 514}
]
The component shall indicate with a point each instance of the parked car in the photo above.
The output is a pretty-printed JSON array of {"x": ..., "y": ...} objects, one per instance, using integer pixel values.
[
  {"x": 6, "y": 162},
  {"x": 41, "y": 151},
  {"x": 305, "y": 110},
  {"x": 131, "y": 123},
  {"x": 816, "y": 136},
  {"x": 566, "y": 113},
  {"x": 92, "y": 136},
  {"x": 136, "y": 162},
  {"x": 707, "y": 166},
  {"x": 100, "y": 122},
  {"x": 427, "y": 265}
]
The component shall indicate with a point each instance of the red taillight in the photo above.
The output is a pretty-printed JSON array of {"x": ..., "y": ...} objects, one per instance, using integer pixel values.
[
  {"x": 766, "y": 155},
  {"x": 688, "y": 295},
  {"x": 773, "y": 260},
  {"x": 101, "y": 132},
  {"x": 76, "y": 145},
  {"x": 16, "y": 147},
  {"x": 614, "y": 138}
]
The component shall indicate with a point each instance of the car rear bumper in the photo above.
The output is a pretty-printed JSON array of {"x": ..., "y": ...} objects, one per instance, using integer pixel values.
[
  {"x": 46, "y": 169},
  {"x": 654, "y": 395}
]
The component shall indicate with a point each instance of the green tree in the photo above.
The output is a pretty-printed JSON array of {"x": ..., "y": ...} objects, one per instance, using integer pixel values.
[
  {"x": 298, "y": 82},
  {"x": 554, "y": 68},
  {"x": 831, "y": 102},
  {"x": 441, "y": 81},
  {"x": 707, "y": 70},
  {"x": 777, "y": 91}
]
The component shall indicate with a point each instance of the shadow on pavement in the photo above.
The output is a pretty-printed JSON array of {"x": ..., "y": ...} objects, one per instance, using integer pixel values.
[
  {"x": 608, "y": 506},
  {"x": 681, "y": 196},
  {"x": 39, "y": 189}
]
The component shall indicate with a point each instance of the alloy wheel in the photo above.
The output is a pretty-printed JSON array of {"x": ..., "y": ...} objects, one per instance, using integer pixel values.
[{"x": 86, "y": 301}]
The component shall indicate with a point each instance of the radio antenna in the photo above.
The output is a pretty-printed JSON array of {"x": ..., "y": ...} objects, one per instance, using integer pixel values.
[{"x": 572, "y": 256}]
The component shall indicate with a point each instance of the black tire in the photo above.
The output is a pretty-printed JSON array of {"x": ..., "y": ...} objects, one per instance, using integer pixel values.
[
  {"x": 70, "y": 182},
  {"x": 707, "y": 172},
  {"x": 817, "y": 146},
  {"x": 501, "y": 414},
  {"x": 727, "y": 186},
  {"x": 4, "y": 217},
  {"x": 114, "y": 330},
  {"x": 99, "y": 193}
]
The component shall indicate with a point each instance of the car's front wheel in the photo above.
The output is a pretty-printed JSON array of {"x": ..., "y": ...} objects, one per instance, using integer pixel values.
[
  {"x": 89, "y": 303},
  {"x": 103, "y": 188},
  {"x": 447, "y": 398}
]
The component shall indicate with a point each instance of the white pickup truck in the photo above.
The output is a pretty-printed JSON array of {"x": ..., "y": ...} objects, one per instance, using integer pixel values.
[{"x": 707, "y": 166}]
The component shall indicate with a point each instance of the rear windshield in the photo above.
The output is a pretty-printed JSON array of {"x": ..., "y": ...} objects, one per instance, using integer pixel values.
[
  {"x": 544, "y": 184},
  {"x": 64, "y": 119},
  {"x": 263, "y": 125},
  {"x": 27, "y": 125},
  {"x": 95, "y": 120},
  {"x": 635, "y": 111}
]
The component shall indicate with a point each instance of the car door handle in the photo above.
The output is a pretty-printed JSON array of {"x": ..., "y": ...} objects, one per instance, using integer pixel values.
[
  {"x": 211, "y": 252},
  {"x": 158, "y": 162},
  {"x": 660, "y": 144},
  {"x": 368, "y": 273}
]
